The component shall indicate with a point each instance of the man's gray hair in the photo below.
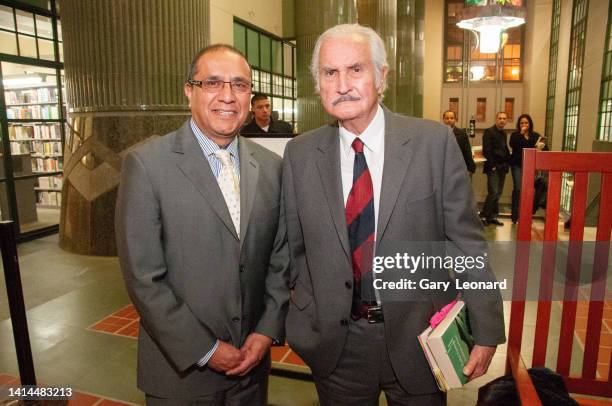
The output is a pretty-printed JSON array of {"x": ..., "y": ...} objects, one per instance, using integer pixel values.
[{"x": 377, "y": 49}]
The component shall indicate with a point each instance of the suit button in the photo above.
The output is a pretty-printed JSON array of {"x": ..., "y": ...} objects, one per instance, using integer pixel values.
[
  {"x": 348, "y": 284},
  {"x": 344, "y": 322},
  {"x": 236, "y": 319}
]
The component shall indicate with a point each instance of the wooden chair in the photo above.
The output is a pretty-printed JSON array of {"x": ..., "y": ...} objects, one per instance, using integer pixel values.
[{"x": 581, "y": 164}]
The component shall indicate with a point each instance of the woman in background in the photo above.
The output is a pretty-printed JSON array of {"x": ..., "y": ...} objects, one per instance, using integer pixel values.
[{"x": 523, "y": 137}]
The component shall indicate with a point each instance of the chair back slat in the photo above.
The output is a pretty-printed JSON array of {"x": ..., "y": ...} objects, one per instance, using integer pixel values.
[
  {"x": 598, "y": 283},
  {"x": 581, "y": 165},
  {"x": 574, "y": 258},
  {"x": 548, "y": 269},
  {"x": 521, "y": 263}
]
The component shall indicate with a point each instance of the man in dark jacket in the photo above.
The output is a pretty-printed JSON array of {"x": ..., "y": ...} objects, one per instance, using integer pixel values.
[
  {"x": 495, "y": 150},
  {"x": 450, "y": 119},
  {"x": 262, "y": 122}
]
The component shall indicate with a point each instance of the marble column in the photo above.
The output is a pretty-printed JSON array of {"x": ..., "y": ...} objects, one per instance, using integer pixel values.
[{"x": 125, "y": 62}]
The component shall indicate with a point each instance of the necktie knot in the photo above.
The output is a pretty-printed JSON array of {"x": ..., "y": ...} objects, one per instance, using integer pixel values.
[
  {"x": 357, "y": 146},
  {"x": 224, "y": 157}
]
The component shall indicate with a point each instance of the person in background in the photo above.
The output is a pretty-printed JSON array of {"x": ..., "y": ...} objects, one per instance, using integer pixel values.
[
  {"x": 495, "y": 150},
  {"x": 450, "y": 119},
  {"x": 523, "y": 137},
  {"x": 262, "y": 122}
]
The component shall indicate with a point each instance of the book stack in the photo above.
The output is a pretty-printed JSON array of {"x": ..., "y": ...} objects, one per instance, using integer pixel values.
[{"x": 447, "y": 347}]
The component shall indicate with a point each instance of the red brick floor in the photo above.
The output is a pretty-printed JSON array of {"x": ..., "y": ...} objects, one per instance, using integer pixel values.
[
  {"x": 78, "y": 399},
  {"x": 123, "y": 322}
]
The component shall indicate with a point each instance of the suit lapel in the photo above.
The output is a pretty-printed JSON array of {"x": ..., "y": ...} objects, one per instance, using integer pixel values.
[
  {"x": 249, "y": 175},
  {"x": 328, "y": 164},
  {"x": 195, "y": 166},
  {"x": 398, "y": 154}
]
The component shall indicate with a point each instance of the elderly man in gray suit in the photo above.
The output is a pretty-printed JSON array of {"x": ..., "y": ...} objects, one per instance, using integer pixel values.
[
  {"x": 374, "y": 180},
  {"x": 203, "y": 248}
]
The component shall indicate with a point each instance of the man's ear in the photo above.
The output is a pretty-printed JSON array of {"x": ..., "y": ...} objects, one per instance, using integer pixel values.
[
  {"x": 188, "y": 89},
  {"x": 383, "y": 78}
]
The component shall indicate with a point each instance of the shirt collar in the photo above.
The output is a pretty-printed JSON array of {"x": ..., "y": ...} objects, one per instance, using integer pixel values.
[
  {"x": 372, "y": 136},
  {"x": 209, "y": 147}
]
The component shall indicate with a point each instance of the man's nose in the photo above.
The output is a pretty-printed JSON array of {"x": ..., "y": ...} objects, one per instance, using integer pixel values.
[
  {"x": 226, "y": 94},
  {"x": 343, "y": 84}
]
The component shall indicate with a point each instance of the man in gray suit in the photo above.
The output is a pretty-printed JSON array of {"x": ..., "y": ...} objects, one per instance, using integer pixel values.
[
  {"x": 203, "y": 248},
  {"x": 375, "y": 180}
]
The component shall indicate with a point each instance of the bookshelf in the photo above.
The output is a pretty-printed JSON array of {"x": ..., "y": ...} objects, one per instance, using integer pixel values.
[{"x": 34, "y": 130}]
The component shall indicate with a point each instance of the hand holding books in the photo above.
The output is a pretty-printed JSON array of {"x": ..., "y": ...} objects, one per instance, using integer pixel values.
[{"x": 450, "y": 350}]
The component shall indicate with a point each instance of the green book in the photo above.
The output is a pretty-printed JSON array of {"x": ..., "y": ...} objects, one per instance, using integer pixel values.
[{"x": 447, "y": 347}]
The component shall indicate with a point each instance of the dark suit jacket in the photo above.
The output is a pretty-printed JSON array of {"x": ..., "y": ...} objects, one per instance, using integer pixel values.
[
  {"x": 276, "y": 127},
  {"x": 466, "y": 149},
  {"x": 191, "y": 279},
  {"x": 426, "y": 196},
  {"x": 495, "y": 150}
]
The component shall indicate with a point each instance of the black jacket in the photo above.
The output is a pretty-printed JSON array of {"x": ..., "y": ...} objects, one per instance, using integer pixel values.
[
  {"x": 517, "y": 143},
  {"x": 466, "y": 148},
  {"x": 276, "y": 127},
  {"x": 495, "y": 150}
]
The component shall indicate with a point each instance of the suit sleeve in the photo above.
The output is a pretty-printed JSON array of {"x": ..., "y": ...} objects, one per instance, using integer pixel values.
[
  {"x": 166, "y": 318},
  {"x": 294, "y": 229},
  {"x": 465, "y": 237},
  {"x": 272, "y": 321}
]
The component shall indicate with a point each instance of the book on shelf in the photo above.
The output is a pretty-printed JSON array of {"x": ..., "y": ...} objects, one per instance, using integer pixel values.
[{"x": 447, "y": 346}]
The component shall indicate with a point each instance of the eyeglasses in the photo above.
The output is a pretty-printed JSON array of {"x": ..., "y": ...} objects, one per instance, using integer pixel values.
[{"x": 215, "y": 85}]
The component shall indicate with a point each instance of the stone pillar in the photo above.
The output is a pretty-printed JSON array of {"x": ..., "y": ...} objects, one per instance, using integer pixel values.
[
  {"x": 410, "y": 57},
  {"x": 125, "y": 62}
]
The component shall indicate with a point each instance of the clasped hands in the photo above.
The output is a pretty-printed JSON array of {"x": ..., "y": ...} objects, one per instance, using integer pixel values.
[{"x": 230, "y": 360}]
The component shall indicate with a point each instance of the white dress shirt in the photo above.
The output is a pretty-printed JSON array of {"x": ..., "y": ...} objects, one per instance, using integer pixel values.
[{"x": 373, "y": 138}]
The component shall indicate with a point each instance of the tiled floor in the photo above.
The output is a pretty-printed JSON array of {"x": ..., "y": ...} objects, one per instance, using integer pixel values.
[{"x": 82, "y": 329}]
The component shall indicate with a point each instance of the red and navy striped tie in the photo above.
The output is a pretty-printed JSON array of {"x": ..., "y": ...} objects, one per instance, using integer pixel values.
[{"x": 360, "y": 221}]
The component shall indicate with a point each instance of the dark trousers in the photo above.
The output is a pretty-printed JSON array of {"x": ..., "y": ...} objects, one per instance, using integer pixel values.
[
  {"x": 495, "y": 187},
  {"x": 250, "y": 390},
  {"x": 364, "y": 370},
  {"x": 517, "y": 176}
]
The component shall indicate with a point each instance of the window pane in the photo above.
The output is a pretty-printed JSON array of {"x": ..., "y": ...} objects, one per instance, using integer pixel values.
[
  {"x": 25, "y": 22},
  {"x": 45, "y": 48},
  {"x": 27, "y": 46},
  {"x": 277, "y": 57},
  {"x": 264, "y": 44},
  {"x": 8, "y": 43},
  {"x": 59, "y": 30},
  {"x": 253, "y": 47},
  {"x": 266, "y": 82},
  {"x": 43, "y": 27},
  {"x": 239, "y": 37},
  {"x": 6, "y": 18},
  {"x": 481, "y": 109},
  {"x": 288, "y": 66}
]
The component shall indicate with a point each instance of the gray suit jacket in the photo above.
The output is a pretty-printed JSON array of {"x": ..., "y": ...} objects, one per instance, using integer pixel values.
[
  {"x": 190, "y": 277},
  {"x": 426, "y": 197}
]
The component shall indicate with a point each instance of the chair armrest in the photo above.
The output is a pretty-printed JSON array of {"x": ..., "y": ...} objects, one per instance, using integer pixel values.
[{"x": 524, "y": 386}]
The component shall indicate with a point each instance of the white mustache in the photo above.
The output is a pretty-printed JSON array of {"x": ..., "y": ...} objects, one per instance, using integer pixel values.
[{"x": 344, "y": 98}]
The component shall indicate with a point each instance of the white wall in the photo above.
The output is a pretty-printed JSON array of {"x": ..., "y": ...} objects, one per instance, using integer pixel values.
[{"x": 265, "y": 14}]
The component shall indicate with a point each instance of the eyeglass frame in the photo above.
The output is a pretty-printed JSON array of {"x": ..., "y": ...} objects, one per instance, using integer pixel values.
[{"x": 200, "y": 84}]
